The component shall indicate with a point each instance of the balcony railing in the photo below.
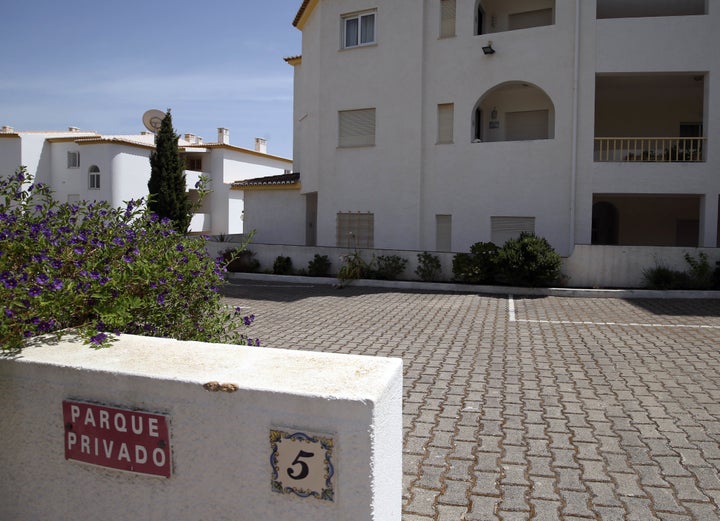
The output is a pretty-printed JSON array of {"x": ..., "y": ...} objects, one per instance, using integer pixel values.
[{"x": 650, "y": 149}]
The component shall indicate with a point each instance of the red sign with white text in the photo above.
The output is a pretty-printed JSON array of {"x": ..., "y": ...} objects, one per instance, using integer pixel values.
[{"x": 122, "y": 439}]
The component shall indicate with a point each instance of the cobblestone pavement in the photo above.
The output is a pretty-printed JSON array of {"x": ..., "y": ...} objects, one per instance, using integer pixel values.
[{"x": 530, "y": 408}]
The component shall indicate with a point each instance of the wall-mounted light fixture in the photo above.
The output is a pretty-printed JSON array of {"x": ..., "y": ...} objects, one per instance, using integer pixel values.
[
  {"x": 493, "y": 114},
  {"x": 488, "y": 49}
]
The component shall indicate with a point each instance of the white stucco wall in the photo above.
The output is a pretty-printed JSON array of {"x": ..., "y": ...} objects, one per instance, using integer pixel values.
[
  {"x": 277, "y": 216},
  {"x": 220, "y": 440},
  {"x": 10, "y": 156}
]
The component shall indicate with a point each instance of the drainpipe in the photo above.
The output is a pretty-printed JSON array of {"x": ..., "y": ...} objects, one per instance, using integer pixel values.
[{"x": 574, "y": 146}]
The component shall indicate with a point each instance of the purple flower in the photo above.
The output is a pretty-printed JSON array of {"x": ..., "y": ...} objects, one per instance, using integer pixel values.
[
  {"x": 161, "y": 299},
  {"x": 9, "y": 313},
  {"x": 34, "y": 291},
  {"x": 78, "y": 250},
  {"x": 41, "y": 279},
  {"x": 179, "y": 247},
  {"x": 56, "y": 285},
  {"x": 98, "y": 339}
]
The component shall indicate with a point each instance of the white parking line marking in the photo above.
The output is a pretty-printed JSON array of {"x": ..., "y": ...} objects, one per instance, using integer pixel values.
[{"x": 511, "y": 308}]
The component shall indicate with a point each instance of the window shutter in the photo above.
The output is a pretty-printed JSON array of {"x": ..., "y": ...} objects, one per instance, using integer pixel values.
[
  {"x": 445, "y": 122},
  {"x": 355, "y": 229},
  {"x": 448, "y": 12},
  {"x": 357, "y": 128},
  {"x": 506, "y": 228},
  {"x": 527, "y": 125}
]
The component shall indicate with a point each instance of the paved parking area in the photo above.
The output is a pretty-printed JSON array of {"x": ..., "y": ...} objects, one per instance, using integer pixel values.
[{"x": 530, "y": 408}]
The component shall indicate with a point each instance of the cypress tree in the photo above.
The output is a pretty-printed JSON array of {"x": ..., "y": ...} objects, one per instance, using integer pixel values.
[{"x": 168, "y": 195}]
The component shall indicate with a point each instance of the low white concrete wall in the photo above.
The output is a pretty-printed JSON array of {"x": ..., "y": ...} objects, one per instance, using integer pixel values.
[
  {"x": 221, "y": 443},
  {"x": 623, "y": 266},
  {"x": 587, "y": 267}
]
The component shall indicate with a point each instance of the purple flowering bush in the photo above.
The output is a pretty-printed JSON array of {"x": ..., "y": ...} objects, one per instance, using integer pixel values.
[{"x": 100, "y": 270}]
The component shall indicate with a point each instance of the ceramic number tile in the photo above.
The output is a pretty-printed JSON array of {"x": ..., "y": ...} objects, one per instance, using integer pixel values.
[{"x": 302, "y": 464}]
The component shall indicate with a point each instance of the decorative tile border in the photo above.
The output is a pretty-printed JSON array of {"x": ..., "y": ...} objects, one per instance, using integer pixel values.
[{"x": 302, "y": 464}]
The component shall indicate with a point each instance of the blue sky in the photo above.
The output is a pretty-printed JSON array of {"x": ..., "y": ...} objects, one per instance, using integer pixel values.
[{"x": 100, "y": 65}]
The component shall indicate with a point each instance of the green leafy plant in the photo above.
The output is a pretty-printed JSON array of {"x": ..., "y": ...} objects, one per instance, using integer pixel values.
[
  {"x": 429, "y": 267},
  {"x": 478, "y": 266},
  {"x": 240, "y": 259},
  {"x": 664, "y": 278},
  {"x": 528, "y": 261},
  {"x": 319, "y": 266},
  {"x": 100, "y": 270},
  {"x": 282, "y": 266},
  {"x": 353, "y": 267},
  {"x": 388, "y": 267},
  {"x": 699, "y": 275}
]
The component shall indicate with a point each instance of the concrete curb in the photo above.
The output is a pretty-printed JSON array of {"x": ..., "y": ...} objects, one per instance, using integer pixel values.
[{"x": 486, "y": 290}]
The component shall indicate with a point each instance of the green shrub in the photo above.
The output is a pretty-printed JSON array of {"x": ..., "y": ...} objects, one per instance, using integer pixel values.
[
  {"x": 664, "y": 278},
  {"x": 354, "y": 267},
  {"x": 478, "y": 266},
  {"x": 699, "y": 275},
  {"x": 96, "y": 269},
  {"x": 429, "y": 267},
  {"x": 319, "y": 266},
  {"x": 282, "y": 266},
  {"x": 240, "y": 260},
  {"x": 528, "y": 261},
  {"x": 388, "y": 267}
]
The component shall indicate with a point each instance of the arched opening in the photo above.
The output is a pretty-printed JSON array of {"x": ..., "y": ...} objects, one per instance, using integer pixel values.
[
  {"x": 513, "y": 111},
  {"x": 94, "y": 178}
]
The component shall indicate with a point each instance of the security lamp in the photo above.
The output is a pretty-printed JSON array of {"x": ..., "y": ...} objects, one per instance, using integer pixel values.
[{"x": 488, "y": 49}]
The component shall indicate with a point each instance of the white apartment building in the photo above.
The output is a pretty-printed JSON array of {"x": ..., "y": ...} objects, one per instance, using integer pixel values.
[
  {"x": 82, "y": 165},
  {"x": 435, "y": 124}
]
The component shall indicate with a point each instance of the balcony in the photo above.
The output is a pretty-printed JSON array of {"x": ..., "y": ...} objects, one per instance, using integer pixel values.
[
  {"x": 652, "y": 117},
  {"x": 650, "y": 149}
]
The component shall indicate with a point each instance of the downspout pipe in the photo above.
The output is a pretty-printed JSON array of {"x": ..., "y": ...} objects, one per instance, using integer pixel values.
[{"x": 575, "y": 115}]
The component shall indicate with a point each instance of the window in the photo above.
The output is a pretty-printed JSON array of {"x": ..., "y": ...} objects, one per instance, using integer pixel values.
[
  {"x": 443, "y": 232},
  {"x": 193, "y": 163},
  {"x": 445, "y": 122},
  {"x": 356, "y": 128},
  {"x": 73, "y": 159},
  {"x": 355, "y": 229},
  {"x": 506, "y": 228},
  {"x": 447, "y": 18},
  {"x": 94, "y": 178},
  {"x": 358, "y": 30}
]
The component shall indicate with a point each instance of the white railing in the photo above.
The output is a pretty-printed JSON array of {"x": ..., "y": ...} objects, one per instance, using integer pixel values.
[{"x": 650, "y": 149}]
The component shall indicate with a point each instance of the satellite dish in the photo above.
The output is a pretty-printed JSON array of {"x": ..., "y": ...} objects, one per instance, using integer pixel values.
[{"x": 152, "y": 119}]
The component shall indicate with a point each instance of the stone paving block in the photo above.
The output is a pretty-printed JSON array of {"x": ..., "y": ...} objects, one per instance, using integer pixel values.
[
  {"x": 455, "y": 493},
  {"x": 450, "y": 513},
  {"x": 639, "y": 509},
  {"x": 483, "y": 509},
  {"x": 627, "y": 485},
  {"x": 664, "y": 499},
  {"x": 576, "y": 504},
  {"x": 514, "y": 498},
  {"x": 544, "y": 488}
]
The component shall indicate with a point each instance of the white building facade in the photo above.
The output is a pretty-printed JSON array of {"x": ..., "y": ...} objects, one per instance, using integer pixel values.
[
  {"x": 88, "y": 166},
  {"x": 436, "y": 124}
]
